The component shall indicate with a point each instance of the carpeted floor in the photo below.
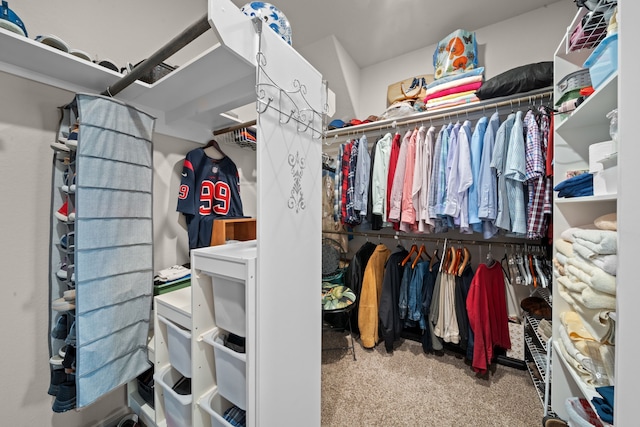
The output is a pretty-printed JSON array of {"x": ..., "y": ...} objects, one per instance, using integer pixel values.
[{"x": 411, "y": 388}]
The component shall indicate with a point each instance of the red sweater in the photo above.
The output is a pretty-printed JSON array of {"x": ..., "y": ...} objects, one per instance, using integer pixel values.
[{"x": 487, "y": 311}]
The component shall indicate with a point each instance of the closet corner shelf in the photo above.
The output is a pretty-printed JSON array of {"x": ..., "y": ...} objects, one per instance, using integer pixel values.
[
  {"x": 189, "y": 102},
  {"x": 589, "y": 123}
]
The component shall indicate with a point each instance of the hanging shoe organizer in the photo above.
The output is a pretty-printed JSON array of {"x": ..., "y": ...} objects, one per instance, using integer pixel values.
[{"x": 101, "y": 263}]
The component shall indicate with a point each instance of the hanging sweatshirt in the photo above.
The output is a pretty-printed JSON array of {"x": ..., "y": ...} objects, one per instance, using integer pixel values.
[
  {"x": 487, "y": 312},
  {"x": 370, "y": 296}
]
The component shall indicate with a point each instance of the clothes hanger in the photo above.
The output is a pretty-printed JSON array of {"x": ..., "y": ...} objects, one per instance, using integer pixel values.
[
  {"x": 434, "y": 258},
  {"x": 490, "y": 260},
  {"x": 466, "y": 257},
  {"x": 453, "y": 263},
  {"x": 214, "y": 144},
  {"x": 413, "y": 250},
  {"x": 421, "y": 251}
]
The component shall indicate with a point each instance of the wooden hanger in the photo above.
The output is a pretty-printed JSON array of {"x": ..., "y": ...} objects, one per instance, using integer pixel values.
[
  {"x": 446, "y": 261},
  {"x": 421, "y": 251},
  {"x": 453, "y": 263},
  {"x": 466, "y": 257},
  {"x": 413, "y": 250}
]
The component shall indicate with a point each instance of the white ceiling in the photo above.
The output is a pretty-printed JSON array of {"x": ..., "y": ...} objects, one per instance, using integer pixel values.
[{"x": 373, "y": 31}]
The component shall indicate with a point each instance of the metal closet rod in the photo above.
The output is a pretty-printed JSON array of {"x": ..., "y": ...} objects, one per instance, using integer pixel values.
[
  {"x": 451, "y": 239},
  {"x": 178, "y": 42},
  {"x": 513, "y": 101}
]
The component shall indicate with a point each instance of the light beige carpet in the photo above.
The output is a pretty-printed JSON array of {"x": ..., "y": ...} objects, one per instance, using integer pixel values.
[{"x": 411, "y": 388}]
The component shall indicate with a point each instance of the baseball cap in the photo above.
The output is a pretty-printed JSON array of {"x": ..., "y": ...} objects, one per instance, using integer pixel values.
[
  {"x": 10, "y": 21},
  {"x": 336, "y": 124}
]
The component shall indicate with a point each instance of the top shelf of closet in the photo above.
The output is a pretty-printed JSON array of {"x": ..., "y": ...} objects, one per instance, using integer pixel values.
[
  {"x": 189, "y": 103},
  {"x": 483, "y": 107}
]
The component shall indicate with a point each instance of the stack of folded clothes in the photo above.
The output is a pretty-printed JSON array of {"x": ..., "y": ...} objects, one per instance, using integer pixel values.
[
  {"x": 576, "y": 186},
  {"x": 454, "y": 90},
  {"x": 585, "y": 271}
]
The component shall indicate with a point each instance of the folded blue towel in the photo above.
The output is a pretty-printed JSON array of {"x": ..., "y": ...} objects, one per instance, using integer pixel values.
[{"x": 577, "y": 186}]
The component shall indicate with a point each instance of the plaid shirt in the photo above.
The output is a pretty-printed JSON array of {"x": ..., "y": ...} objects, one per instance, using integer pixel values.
[
  {"x": 535, "y": 168},
  {"x": 546, "y": 133},
  {"x": 352, "y": 216}
]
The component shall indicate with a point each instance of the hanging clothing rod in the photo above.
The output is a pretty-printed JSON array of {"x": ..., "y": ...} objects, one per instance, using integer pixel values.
[
  {"x": 234, "y": 127},
  {"x": 181, "y": 40},
  {"x": 426, "y": 238},
  {"x": 514, "y": 101}
]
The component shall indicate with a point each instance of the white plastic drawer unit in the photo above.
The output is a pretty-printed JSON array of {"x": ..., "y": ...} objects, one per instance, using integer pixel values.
[{"x": 232, "y": 271}]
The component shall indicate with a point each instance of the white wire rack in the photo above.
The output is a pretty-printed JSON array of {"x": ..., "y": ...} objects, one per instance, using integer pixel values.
[{"x": 591, "y": 28}]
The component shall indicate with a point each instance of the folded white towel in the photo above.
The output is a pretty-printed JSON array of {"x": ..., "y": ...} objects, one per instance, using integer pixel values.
[
  {"x": 591, "y": 275},
  {"x": 568, "y": 234},
  {"x": 608, "y": 263},
  {"x": 580, "y": 370},
  {"x": 593, "y": 323},
  {"x": 173, "y": 273},
  {"x": 572, "y": 285},
  {"x": 583, "y": 359},
  {"x": 564, "y": 247},
  {"x": 601, "y": 242},
  {"x": 562, "y": 258},
  {"x": 607, "y": 222}
]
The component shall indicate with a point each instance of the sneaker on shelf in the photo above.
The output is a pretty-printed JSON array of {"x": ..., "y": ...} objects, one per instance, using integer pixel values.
[
  {"x": 69, "y": 180},
  {"x": 69, "y": 295},
  {"x": 63, "y": 273},
  {"x": 72, "y": 140},
  {"x": 63, "y": 213},
  {"x": 65, "y": 398},
  {"x": 66, "y": 241},
  {"x": 56, "y": 361},
  {"x": 63, "y": 351},
  {"x": 58, "y": 376},
  {"x": 61, "y": 304},
  {"x": 59, "y": 331},
  {"x": 59, "y": 146}
]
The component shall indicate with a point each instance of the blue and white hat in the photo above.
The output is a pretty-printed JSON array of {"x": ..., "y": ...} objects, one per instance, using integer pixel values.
[
  {"x": 271, "y": 16},
  {"x": 10, "y": 21}
]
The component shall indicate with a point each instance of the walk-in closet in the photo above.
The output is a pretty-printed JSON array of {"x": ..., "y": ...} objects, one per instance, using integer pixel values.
[{"x": 260, "y": 214}]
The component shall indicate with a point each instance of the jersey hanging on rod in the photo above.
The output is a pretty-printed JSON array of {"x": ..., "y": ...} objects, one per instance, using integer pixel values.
[{"x": 209, "y": 189}]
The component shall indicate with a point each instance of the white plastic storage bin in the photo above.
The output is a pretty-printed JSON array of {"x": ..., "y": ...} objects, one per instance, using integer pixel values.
[
  {"x": 179, "y": 343},
  {"x": 177, "y": 407},
  {"x": 231, "y": 370},
  {"x": 229, "y": 304},
  {"x": 215, "y": 405}
]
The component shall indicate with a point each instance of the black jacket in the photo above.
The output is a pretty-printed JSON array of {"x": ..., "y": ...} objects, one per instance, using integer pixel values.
[{"x": 388, "y": 311}]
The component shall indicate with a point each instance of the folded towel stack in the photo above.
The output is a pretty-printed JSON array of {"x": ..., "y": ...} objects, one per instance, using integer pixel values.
[
  {"x": 454, "y": 90},
  {"x": 585, "y": 263}
]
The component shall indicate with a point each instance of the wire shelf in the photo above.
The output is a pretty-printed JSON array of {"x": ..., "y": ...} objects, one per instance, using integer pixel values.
[{"x": 592, "y": 27}]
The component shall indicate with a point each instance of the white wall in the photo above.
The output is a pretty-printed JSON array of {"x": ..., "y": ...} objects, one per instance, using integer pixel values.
[{"x": 530, "y": 37}]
